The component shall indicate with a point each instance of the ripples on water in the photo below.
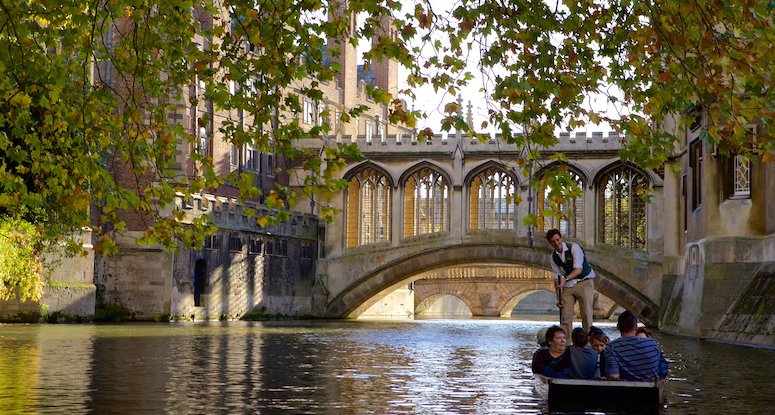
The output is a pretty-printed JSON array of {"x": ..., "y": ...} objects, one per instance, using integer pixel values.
[{"x": 350, "y": 367}]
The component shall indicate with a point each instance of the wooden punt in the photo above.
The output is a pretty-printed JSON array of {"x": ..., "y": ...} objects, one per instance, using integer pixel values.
[{"x": 601, "y": 395}]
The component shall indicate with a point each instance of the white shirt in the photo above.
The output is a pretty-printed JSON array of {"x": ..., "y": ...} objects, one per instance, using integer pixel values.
[{"x": 578, "y": 262}]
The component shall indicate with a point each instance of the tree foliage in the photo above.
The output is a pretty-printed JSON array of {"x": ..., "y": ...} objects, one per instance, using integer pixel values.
[
  {"x": 20, "y": 264},
  {"x": 86, "y": 88},
  {"x": 652, "y": 59}
]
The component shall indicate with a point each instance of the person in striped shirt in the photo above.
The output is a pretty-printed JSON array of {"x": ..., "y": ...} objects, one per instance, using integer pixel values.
[{"x": 631, "y": 357}]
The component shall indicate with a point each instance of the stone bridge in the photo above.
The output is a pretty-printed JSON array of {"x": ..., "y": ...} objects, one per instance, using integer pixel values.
[
  {"x": 419, "y": 207},
  {"x": 351, "y": 283},
  {"x": 491, "y": 291}
]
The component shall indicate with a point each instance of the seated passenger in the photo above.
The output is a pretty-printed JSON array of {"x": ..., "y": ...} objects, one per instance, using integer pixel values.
[
  {"x": 643, "y": 332},
  {"x": 541, "y": 338},
  {"x": 579, "y": 362},
  {"x": 631, "y": 357},
  {"x": 598, "y": 339},
  {"x": 555, "y": 339}
]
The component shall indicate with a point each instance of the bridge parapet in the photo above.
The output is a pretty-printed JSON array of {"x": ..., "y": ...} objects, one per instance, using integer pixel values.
[{"x": 447, "y": 143}]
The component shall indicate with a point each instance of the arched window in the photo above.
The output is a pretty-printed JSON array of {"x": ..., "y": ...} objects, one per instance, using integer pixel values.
[
  {"x": 567, "y": 216},
  {"x": 491, "y": 203},
  {"x": 368, "y": 208},
  {"x": 622, "y": 211},
  {"x": 426, "y": 203}
]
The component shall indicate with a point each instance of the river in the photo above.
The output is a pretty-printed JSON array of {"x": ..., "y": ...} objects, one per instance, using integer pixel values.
[{"x": 467, "y": 366}]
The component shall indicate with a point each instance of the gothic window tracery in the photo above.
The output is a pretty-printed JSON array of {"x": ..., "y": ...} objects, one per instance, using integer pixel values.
[
  {"x": 569, "y": 218},
  {"x": 491, "y": 200},
  {"x": 426, "y": 203},
  {"x": 368, "y": 208},
  {"x": 622, "y": 208}
]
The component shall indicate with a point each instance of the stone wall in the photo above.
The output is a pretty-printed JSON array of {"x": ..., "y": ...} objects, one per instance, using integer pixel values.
[
  {"x": 724, "y": 291},
  {"x": 751, "y": 319},
  {"x": 68, "y": 288},
  {"x": 138, "y": 279},
  {"x": 242, "y": 268},
  {"x": 275, "y": 275}
]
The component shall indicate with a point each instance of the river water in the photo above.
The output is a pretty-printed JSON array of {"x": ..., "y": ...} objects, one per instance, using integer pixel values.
[{"x": 332, "y": 367}]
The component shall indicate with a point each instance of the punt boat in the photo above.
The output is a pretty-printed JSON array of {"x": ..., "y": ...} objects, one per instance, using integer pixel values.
[{"x": 601, "y": 394}]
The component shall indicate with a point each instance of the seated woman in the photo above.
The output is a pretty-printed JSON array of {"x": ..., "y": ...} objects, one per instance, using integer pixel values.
[
  {"x": 578, "y": 362},
  {"x": 555, "y": 339}
]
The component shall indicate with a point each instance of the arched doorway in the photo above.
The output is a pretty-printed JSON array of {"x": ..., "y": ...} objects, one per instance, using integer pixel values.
[{"x": 200, "y": 278}]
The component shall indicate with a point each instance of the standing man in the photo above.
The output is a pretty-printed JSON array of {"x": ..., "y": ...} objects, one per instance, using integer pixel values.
[{"x": 575, "y": 280}]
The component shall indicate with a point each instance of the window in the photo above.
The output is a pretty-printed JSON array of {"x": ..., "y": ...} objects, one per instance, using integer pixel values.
[
  {"x": 559, "y": 209},
  {"x": 368, "y": 208},
  {"x": 234, "y": 156},
  {"x": 622, "y": 213},
  {"x": 369, "y": 131},
  {"x": 256, "y": 246},
  {"x": 251, "y": 156},
  {"x": 307, "y": 251},
  {"x": 204, "y": 142},
  {"x": 310, "y": 112},
  {"x": 695, "y": 162},
  {"x": 695, "y": 118},
  {"x": 235, "y": 243},
  {"x": 742, "y": 176},
  {"x": 736, "y": 174},
  {"x": 212, "y": 243},
  {"x": 319, "y": 114},
  {"x": 270, "y": 164},
  {"x": 491, "y": 200},
  {"x": 426, "y": 203},
  {"x": 279, "y": 247}
]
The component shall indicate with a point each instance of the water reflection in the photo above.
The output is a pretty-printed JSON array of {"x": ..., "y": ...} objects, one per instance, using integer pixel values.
[{"x": 414, "y": 367}]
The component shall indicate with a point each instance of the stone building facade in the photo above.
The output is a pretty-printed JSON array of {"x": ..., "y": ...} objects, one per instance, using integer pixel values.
[
  {"x": 719, "y": 225},
  {"x": 244, "y": 267}
]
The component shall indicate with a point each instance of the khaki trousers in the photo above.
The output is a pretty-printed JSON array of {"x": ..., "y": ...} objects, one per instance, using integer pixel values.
[{"x": 584, "y": 293}]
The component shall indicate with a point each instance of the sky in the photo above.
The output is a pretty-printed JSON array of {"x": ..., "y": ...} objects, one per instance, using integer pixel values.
[{"x": 432, "y": 102}]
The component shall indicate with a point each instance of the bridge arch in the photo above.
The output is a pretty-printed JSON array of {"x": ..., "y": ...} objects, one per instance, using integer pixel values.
[
  {"x": 426, "y": 302},
  {"x": 373, "y": 284},
  {"x": 518, "y": 296}
]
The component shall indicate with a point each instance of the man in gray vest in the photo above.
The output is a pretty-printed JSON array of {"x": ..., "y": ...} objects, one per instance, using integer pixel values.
[{"x": 575, "y": 277}]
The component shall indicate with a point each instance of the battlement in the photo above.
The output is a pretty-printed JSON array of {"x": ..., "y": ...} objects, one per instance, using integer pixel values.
[
  {"x": 447, "y": 142},
  {"x": 228, "y": 213}
]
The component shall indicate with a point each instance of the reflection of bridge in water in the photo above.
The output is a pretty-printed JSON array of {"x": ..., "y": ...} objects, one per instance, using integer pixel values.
[{"x": 490, "y": 290}]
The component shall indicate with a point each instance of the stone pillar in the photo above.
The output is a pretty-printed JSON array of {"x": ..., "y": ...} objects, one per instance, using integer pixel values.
[
  {"x": 456, "y": 218},
  {"x": 590, "y": 215},
  {"x": 396, "y": 215}
]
